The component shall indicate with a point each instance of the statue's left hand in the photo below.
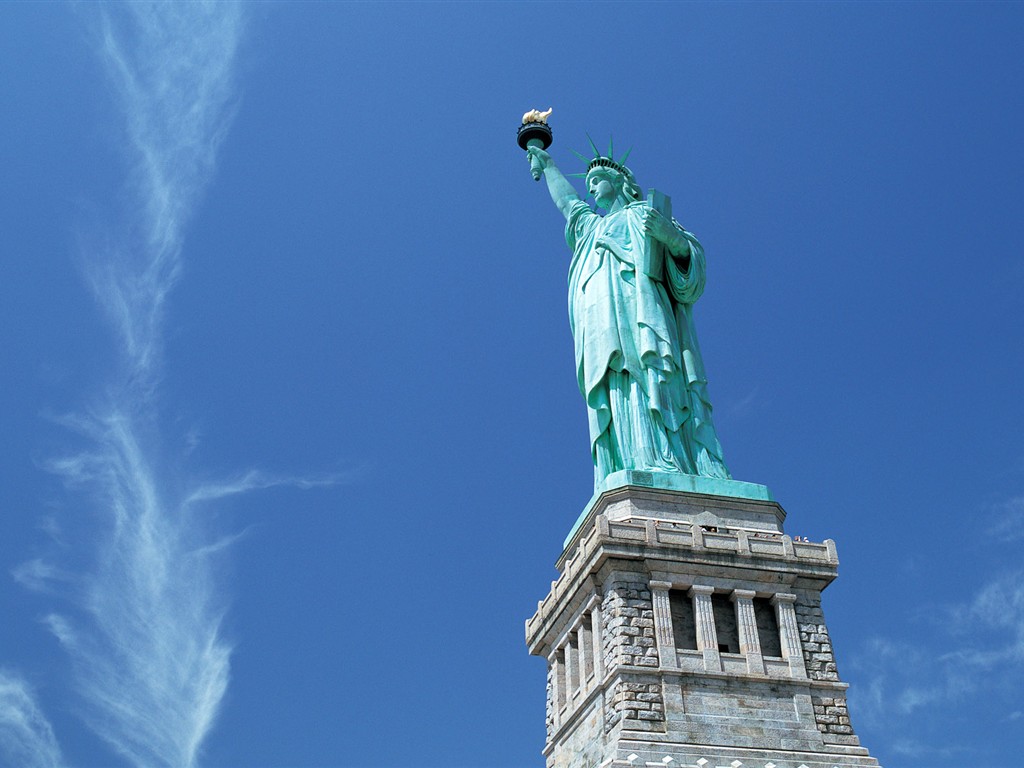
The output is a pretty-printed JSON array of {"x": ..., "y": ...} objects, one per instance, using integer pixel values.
[{"x": 660, "y": 228}]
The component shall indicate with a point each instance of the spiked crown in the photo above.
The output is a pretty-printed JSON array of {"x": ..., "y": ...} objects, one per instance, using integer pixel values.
[{"x": 603, "y": 161}]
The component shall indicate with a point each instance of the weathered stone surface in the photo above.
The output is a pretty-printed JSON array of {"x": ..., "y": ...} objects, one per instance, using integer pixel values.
[{"x": 668, "y": 681}]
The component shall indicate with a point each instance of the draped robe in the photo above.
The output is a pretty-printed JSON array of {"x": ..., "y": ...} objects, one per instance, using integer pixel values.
[{"x": 637, "y": 359}]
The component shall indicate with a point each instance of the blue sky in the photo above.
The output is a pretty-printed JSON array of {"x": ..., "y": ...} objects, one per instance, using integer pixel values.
[{"x": 292, "y": 434}]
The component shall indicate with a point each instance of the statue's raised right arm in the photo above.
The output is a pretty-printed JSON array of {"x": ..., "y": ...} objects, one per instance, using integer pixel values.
[{"x": 562, "y": 192}]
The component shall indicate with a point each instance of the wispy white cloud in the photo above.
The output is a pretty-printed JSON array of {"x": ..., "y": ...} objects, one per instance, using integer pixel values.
[
  {"x": 744, "y": 405},
  {"x": 150, "y": 659},
  {"x": 26, "y": 738},
  {"x": 171, "y": 65},
  {"x": 144, "y": 631},
  {"x": 40, "y": 575},
  {"x": 1008, "y": 520},
  {"x": 144, "y": 626},
  {"x": 255, "y": 480},
  {"x": 919, "y": 750},
  {"x": 968, "y": 644},
  {"x": 944, "y": 659}
]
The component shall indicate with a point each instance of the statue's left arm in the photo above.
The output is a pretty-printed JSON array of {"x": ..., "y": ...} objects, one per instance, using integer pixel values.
[
  {"x": 665, "y": 231},
  {"x": 684, "y": 273}
]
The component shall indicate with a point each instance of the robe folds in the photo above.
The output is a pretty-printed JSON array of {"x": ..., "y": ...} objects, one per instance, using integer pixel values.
[{"x": 638, "y": 363}]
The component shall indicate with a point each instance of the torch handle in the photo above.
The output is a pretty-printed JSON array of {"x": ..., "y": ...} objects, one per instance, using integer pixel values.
[{"x": 535, "y": 166}]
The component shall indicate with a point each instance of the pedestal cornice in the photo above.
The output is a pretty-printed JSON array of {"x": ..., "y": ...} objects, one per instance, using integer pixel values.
[{"x": 759, "y": 551}]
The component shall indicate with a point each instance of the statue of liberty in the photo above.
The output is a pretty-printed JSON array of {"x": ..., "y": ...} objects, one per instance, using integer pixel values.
[{"x": 633, "y": 279}]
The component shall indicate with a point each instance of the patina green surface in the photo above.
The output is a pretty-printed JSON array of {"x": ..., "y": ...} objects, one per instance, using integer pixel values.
[{"x": 634, "y": 276}]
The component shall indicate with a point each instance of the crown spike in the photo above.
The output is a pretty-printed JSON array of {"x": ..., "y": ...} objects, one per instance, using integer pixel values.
[
  {"x": 582, "y": 157},
  {"x": 625, "y": 156},
  {"x": 593, "y": 146},
  {"x": 611, "y": 151},
  {"x": 576, "y": 175}
]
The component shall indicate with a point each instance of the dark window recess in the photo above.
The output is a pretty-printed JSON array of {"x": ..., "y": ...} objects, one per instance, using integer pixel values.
[
  {"x": 683, "y": 626},
  {"x": 725, "y": 623},
  {"x": 587, "y": 653},
  {"x": 767, "y": 627}
]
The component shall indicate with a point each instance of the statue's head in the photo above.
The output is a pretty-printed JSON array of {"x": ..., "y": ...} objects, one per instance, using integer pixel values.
[{"x": 609, "y": 181}]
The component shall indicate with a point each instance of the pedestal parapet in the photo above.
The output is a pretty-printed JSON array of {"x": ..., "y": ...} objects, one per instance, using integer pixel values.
[{"x": 689, "y": 626}]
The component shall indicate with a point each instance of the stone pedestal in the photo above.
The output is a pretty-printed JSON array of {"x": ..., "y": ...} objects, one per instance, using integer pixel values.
[{"x": 685, "y": 629}]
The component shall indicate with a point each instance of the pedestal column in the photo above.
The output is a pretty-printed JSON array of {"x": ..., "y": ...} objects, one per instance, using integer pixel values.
[
  {"x": 572, "y": 667},
  {"x": 596, "y": 634},
  {"x": 789, "y": 634},
  {"x": 558, "y": 686},
  {"x": 746, "y": 623},
  {"x": 586, "y": 655},
  {"x": 704, "y": 618},
  {"x": 664, "y": 634}
]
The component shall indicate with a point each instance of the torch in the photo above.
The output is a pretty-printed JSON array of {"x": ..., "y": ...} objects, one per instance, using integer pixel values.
[{"x": 534, "y": 132}]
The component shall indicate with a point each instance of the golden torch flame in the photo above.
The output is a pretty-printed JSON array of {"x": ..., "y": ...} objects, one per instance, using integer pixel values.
[{"x": 536, "y": 116}]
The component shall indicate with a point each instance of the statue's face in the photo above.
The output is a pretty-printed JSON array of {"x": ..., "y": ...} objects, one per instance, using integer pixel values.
[{"x": 601, "y": 185}]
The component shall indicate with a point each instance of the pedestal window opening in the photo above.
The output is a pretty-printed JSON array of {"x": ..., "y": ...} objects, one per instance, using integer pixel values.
[
  {"x": 684, "y": 626},
  {"x": 767, "y": 627},
  {"x": 572, "y": 663},
  {"x": 725, "y": 623}
]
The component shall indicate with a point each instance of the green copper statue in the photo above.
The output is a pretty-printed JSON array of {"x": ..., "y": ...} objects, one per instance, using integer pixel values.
[{"x": 634, "y": 277}]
